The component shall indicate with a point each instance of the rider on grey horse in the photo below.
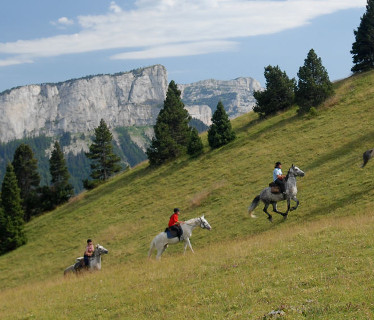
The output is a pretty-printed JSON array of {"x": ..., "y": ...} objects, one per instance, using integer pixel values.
[{"x": 278, "y": 178}]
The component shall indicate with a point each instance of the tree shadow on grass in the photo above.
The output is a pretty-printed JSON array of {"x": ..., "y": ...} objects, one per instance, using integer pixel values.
[
  {"x": 360, "y": 142},
  {"x": 337, "y": 204},
  {"x": 269, "y": 126}
]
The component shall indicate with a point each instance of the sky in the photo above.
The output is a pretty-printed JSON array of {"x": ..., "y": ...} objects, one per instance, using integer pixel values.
[{"x": 47, "y": 41}]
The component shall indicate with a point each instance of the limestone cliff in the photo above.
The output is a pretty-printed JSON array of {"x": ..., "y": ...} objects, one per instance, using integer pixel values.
[
  {"x": 236, "y": 95},
  {"x": 123, "y": 99}
]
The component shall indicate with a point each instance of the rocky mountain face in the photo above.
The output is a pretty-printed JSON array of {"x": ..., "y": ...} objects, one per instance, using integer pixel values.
[
  {"x": 125, "y": 99},
  {"x": 129, "y": 102},
  {"x": 236, "y": 95}
]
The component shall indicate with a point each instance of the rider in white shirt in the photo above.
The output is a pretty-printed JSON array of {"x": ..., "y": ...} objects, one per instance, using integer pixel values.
[{"x": 278, "y": 178}]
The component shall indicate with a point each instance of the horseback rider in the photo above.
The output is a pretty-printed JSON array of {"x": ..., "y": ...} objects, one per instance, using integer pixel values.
[
  {"x": 175, "y": 224},
  {"x": 89, "y": 252},
  {"x": 278, "y": 178}
]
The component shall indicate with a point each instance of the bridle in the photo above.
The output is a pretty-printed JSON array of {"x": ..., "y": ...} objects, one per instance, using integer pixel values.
[{"x": 204, "y": 224}]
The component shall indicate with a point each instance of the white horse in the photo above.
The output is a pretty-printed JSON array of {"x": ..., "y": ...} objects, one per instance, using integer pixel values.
[
  {"x": 94, "y": 262},
  {"x": 161, "y": 241}
]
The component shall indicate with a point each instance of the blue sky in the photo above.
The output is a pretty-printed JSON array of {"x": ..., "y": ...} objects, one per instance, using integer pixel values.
[{"x": 52, "y": 40}]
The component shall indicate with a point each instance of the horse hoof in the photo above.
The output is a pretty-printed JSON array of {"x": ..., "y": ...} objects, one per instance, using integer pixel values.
[
  {"x": 285, "y": 217},
  {"x": 270, "y": 219}
]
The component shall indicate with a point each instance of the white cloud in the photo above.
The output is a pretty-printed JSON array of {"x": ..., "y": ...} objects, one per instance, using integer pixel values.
[
  {"x": 14, "y": 61},
  {"x": 178, "y": 50},
  {"x": 63, "y": 22},
  {"x": 115, "y": 8},
  {"x": 167, "y": 28}
]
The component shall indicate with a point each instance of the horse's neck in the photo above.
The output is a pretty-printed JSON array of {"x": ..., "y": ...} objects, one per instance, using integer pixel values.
[
  {"x": 190, "y": 224},
  {"x": 97, "y": 256},
  {"x": 291, "y": 179},
  {"x": 96, "y": 259}
]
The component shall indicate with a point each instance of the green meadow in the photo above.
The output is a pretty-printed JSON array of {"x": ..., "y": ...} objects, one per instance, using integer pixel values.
[{"x": 316, "y": 264}]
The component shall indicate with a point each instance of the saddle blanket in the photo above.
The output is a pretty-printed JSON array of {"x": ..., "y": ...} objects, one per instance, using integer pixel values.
[{"x": 170, "y": 235}]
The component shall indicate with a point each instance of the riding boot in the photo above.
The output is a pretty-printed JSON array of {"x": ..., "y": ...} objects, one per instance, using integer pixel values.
[{"x": 284, "y": 195}]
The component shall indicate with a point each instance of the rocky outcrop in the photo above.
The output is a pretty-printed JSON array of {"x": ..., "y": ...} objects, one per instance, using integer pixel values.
[
  {"x": 125, "y": 99},
  {"x": 236, "y": 95}
]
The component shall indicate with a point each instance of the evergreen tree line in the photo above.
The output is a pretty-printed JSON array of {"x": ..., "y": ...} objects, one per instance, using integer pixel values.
[
  {"x": 22, "y": 197},
  {"x": 174, "y": 136},
  {"x": 312, "y": 88}
]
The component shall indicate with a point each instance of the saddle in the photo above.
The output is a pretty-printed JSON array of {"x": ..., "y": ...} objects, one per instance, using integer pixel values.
[
  {"x": 274, "y": 187},
  {"x": 79, "y": 263},
  {"x": 174, "y": 231}
]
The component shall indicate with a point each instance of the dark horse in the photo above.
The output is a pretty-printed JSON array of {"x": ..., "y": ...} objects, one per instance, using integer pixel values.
[
  {"x": 267, "y": 197},
  {"x": 367, "y": 156}
]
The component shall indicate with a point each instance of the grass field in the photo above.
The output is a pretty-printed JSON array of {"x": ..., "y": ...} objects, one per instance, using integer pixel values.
[{"x": 317, "y": 264}]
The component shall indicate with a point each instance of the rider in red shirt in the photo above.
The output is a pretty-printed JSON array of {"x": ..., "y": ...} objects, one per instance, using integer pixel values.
[
  {"x": 174, "y": 223},
  {"x": 174, "y": 218}
]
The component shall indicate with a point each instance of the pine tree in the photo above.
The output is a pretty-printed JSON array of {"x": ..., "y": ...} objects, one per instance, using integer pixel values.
[
  {"x": 26, "y": 170},
  {"x": 104, "y": 163},
  {"x": 314, "y": 85},
  {"x": 172, "y": 133},
  {"x": 279, "y": 93},
  {"x": 12, "y": 233},
  {"x": 195, "y": 146},
  {"x": 363, "y": 47},
  {"x": 220, "y": 132},
  {"x": 61, "y": 188}
]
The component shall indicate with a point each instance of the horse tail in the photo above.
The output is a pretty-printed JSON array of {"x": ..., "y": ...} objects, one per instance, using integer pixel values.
[
  {"x": 151, "y": 248},
  {"x": 253, "y": 206}
]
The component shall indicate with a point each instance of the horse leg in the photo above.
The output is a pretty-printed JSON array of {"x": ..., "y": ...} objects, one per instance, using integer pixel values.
[
  {"x": 297, "y": 203},
  {"x": 187, "y": 242},
  {"x": 151, "y": 249},
  {"x": 276, "y": 210},
  {"x": 270, "y": 217},
  {"x": 160, "y": 250}
]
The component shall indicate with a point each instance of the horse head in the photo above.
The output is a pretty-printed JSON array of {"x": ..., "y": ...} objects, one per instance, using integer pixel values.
[
  {"x": 296, "y": 171},
  {"x": 101, "y": 249},
  {"x": 204, "y": 224}
]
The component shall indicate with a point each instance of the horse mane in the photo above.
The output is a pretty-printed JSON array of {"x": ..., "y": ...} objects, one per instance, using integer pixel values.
[
  {"x": 191, "y": 220},
  {"x": 288, "y": 173}
]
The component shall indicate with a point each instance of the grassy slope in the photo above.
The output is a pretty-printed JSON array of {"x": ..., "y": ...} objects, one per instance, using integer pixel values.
[{"x": 315, "y": 265}]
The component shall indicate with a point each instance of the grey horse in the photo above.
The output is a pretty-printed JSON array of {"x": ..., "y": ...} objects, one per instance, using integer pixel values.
[
  {"x": 267, "y": 197},
  {"x": 367, "y": 156},
  {"x": 94, "y": 261}
]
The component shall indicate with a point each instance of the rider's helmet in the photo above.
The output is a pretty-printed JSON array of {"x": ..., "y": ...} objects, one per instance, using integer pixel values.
[
  {"x": 176, "y": 210},
  {"x": 277, "y": 164}
]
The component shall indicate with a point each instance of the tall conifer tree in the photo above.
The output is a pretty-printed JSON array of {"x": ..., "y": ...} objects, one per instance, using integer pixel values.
[
  {"x": 314, "y": 85},
  {"x": 195, "y": 146},
  {"x": 104, "y": 163},
  {"x": 172, "y": 133},
  {"x": 61, "y": 188},
  {"x": 26, "y": 170},
  {"x": 12, "y": 233},
  {"x": 363, "y": 47},
  {"x": 220, "y": 132},
  {"x": 279, "y": 93}
]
